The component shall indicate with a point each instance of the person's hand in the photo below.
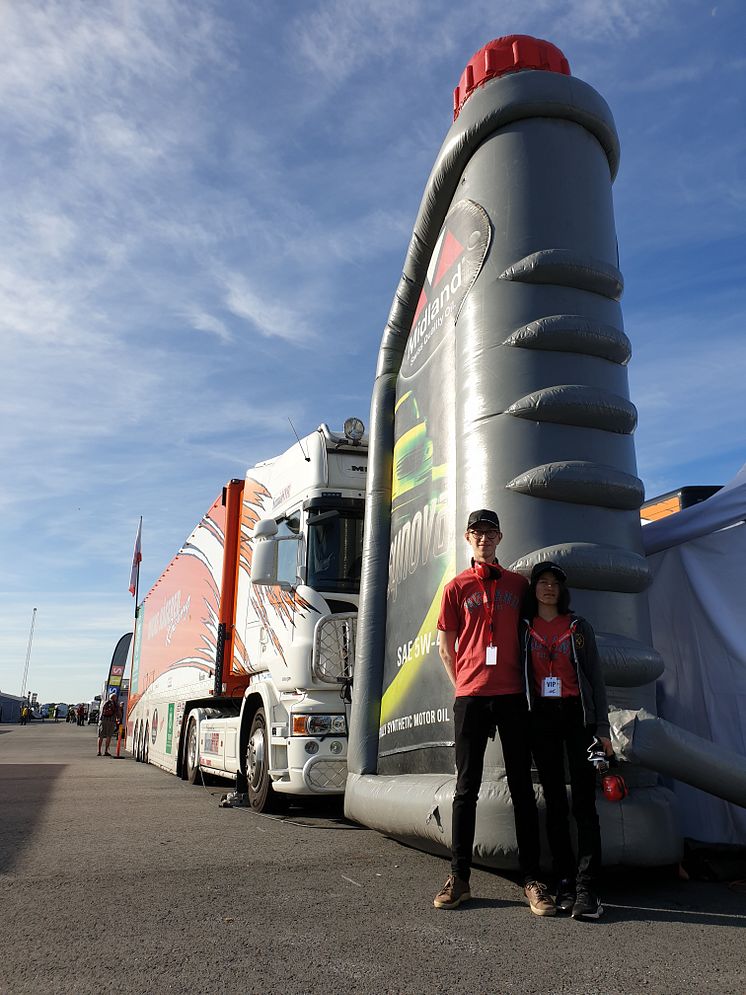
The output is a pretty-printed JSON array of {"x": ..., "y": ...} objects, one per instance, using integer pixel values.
[{"x": 606, "y": 743}]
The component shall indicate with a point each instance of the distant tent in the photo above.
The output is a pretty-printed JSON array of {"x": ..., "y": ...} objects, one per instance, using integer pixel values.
[
  {"x": 697, "y": 607},
  {"x": 10, "y": 707}
]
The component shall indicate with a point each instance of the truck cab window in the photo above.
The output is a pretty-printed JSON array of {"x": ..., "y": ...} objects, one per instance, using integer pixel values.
[
  {"x": 335, "y": 547},
  {"x": 289, "y": 526}
]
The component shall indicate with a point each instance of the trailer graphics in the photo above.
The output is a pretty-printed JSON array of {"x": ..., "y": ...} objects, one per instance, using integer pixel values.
[{"x": 177, "y": 622}]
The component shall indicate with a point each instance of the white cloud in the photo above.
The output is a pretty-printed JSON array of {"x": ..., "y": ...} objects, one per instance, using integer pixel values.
[
  {"x": 341, "y": 35},
  {"x": 204, "y": 322},
  {"x": 604, "y": 20},
  {"x": 263, "y": 310},
  {"x": 125, "y": 140}
]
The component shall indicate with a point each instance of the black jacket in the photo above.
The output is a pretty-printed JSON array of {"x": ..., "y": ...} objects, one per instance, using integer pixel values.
[{"x": 584, "y": 655}]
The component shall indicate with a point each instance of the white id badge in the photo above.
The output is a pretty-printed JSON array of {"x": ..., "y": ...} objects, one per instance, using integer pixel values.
[
  {"x": 551, "y": 687},
  {"x": 491, "y": 658}
]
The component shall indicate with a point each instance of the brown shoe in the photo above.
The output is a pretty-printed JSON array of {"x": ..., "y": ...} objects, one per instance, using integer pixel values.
[
  {"x": 452, "y": 894},
  {"x": 539, "y": 899}
]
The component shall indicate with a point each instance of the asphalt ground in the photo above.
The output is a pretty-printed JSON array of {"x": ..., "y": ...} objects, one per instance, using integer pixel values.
[{"x": 118, "y": 877}]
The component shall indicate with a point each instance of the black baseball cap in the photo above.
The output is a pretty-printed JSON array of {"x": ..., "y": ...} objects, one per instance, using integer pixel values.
[
  {"x": 548, "y": 567},
  {"x": 483, "y": 515}
]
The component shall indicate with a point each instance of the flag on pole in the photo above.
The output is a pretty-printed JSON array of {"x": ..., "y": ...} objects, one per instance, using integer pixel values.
[{"x": 136, "y": 557}]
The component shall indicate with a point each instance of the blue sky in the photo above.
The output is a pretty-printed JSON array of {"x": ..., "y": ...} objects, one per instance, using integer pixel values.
[{"x": 206, "y": 208}]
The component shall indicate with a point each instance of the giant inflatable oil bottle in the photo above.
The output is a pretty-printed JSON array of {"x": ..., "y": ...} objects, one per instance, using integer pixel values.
[{"x": 502, "y": 383}]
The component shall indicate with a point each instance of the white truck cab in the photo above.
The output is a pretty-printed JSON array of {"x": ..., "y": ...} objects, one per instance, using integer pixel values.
[{"x": 271, "y": 579}]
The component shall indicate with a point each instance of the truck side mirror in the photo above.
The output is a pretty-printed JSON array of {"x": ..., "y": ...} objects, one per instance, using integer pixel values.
[
  {"x": 264, "y": 562},
  {"x": 274, "y": 561},
  {"x": 265, "y": 528}
]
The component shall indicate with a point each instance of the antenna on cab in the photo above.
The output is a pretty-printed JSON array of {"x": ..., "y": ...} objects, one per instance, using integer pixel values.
[{"x": 306, "y": 458}]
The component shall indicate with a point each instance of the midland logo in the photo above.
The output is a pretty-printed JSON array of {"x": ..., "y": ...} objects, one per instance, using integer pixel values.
[{"x": 455, "y": 264}]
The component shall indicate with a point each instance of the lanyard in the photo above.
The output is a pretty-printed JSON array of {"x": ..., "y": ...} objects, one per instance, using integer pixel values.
[
  {"x": 489, "y": 606},
  {"x": 551, "y": 650}
]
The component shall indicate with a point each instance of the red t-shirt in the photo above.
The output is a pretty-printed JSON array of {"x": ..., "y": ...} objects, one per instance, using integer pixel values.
[
  {"x": 484, "y": 613},
  {"x": 550, "y": 654}
]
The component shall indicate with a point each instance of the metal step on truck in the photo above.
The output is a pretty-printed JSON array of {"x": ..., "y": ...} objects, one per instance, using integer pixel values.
[{"x": 243, "y": 648}]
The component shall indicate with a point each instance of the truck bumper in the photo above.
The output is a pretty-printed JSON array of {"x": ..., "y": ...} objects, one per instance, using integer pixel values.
[{"x": 323, "y": 773}]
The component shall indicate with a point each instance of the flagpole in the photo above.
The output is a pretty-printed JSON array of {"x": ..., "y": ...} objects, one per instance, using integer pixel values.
[
  {"x": 131, "y": 689},
  {"x": 136, "y": 559},
  {"x": 137, "y": 584}
]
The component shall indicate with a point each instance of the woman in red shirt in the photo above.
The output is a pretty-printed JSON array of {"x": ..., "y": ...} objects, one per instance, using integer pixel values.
[{"x": 567, "y": 697}]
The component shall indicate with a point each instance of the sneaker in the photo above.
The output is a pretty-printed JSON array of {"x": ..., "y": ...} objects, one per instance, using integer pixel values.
[
  {"x": 565, "y": 895},
  {"x": 452, "y": 894},
  {"x": 587, "y": 905},
  {"x": 541, "y": 902}
]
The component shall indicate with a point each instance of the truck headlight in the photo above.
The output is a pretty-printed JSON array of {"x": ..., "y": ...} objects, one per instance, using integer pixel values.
[{"x": 319, "y": 725}]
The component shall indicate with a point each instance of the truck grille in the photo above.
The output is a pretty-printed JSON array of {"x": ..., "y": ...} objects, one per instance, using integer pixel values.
[
  {"x": 334, "y": 648},
  {"x": 327, "y": 775}
]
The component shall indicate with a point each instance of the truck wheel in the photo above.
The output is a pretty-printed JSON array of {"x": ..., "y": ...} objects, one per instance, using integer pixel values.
[
  {"x": 136, "y": 743},
  {"x": 262, "y": 797},
  {"x": 146, "y": 745},
  {"x": 191, "y": 751}
]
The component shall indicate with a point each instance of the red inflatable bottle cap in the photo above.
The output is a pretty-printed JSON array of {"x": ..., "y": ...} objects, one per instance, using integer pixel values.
[{"x": 507, "y": 55}]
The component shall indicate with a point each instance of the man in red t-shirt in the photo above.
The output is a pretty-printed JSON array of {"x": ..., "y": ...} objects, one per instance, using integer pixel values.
[{"x": 479, "y": 647}]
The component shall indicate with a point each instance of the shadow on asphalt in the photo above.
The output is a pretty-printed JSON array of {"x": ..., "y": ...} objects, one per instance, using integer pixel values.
[
  {"x": 308, "y": 813},
  {"x": 484, "y": 903},
  {"x": 24, "y": 791}
]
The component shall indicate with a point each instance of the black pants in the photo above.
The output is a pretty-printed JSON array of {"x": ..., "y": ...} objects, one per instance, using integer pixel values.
[
  {"x": 476, "y": 719},
  {"x": 557, "y": 728}
]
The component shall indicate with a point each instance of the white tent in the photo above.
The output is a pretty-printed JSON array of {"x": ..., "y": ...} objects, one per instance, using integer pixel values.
[{"x": 698, "y": 612}]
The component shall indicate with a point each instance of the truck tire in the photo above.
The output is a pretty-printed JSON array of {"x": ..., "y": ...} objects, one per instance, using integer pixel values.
[
  {"x": 262, "y": 797},
  {"x": 191, "y": 750},
  {"x": 146, "y": 745},
  {"x": 136, "y": 743}
]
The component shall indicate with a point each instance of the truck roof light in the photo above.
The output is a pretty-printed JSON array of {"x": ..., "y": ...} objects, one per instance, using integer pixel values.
[{"x": 354, "y": 429}]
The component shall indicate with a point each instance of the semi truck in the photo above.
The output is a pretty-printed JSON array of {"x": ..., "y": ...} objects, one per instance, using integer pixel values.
[{"x": 243, "y": 648}]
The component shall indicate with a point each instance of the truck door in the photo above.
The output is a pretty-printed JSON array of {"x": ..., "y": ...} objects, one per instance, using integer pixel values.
[{"x": 289, "y": 565}]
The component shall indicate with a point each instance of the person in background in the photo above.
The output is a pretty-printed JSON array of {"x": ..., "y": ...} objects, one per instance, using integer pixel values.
[
  {"x": 111, "y": 716},
  {"x": 479, "y": 647},
  {"x": 568, "y": 711}
]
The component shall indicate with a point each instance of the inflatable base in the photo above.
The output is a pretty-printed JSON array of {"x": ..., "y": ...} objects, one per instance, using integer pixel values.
[{"x": 640, "y": 831}]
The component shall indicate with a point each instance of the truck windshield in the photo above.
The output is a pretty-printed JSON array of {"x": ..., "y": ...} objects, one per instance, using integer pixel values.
[{"x": 335, "y": 550}]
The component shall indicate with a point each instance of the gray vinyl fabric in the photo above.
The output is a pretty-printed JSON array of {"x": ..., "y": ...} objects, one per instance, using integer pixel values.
[
  {"x": 537, "y": 112},
  {"x": 541, "y": 430},
  {"x": 697, "y": 610}
]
